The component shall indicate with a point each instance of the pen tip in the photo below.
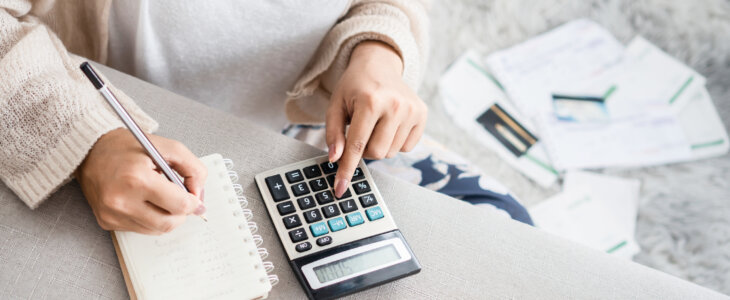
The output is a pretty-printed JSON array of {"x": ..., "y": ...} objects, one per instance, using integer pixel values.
[{"x": 204, "y": 218}]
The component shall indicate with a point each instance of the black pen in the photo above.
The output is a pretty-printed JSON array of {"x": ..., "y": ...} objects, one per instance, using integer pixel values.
[{"x": 133, "y": 127}]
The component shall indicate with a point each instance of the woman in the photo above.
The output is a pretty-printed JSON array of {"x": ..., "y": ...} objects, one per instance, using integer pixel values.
[{"x": 346, "y": 62}]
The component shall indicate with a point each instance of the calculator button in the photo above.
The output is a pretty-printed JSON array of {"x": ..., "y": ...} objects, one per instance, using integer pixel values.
[
  {"x": 331, "y": 180},
  {"x": 277, "y": 188},
  {"x": 292, "y": 221},
  {"x": 312, "y": 216},
  {"x": 358, "y": 175},
  {"x": 325, "y": 197},
  {"x": 348, "y": 206},
  {"x": 298, "y": 235},
  {"x": 318, "y": 184},
  {"x": 346, "y": 194},
  {"x": 294, "y": 176},
  {"x": 329, "y": 167},
  {"x": 318, "y": 229},
  {"x": 300, "y": 189},
  {"x": 355, "y": 219},
  {"x": 374, "y": 213},
  {"x": 337, "y": 224},
  {"x": 303, "y": 247},
  {"x": 312, "y": 171},
  {"x": 368, "y": 200},
  {"x": 361, "y": 187},
  {"x": 330, "y": 211},
  {"x": 324, "y": 241},
  {"x": 286, "y": 208},
  {"x": 306, "y": 202}
]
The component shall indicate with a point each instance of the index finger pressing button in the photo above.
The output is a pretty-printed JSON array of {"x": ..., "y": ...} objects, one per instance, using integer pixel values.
[{"x": 277, "y": 188}]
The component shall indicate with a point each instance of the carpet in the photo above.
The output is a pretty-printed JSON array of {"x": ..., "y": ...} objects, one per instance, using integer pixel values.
[{"x": 683, "y": 223}]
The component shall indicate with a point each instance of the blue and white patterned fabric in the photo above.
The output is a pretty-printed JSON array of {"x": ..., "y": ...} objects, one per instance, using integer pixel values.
[{"x": 434, "y": 167}]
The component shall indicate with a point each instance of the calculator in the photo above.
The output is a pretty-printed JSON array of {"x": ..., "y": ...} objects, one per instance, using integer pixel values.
[{"x": 336, "y": 246}]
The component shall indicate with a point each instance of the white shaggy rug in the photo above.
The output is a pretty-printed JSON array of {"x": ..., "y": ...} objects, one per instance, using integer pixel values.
[{"x": 684, "y": 214}]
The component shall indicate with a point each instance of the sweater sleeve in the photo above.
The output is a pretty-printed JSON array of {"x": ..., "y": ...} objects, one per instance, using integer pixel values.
[
  {"x": 402, "y": 24},
  {"x": 50, "y": 115}
]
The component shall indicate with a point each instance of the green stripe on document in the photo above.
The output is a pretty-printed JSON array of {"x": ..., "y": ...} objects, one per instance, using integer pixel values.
[
  {"x": 614, "y": 248},
  {"x": 541, "y": 163},
  {"x": 708, "y": 144},
  {"x": 681, "y": 89},
  {"x": 609, "y": 92},
  {"x": 476, "y": 65}
]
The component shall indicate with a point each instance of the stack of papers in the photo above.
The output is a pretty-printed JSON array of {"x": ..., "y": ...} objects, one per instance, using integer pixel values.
[
  {"x": 595, "y": 210},
  {"x": 575, "y": 98},
  {"x": 468, "y": 93},
  {"x": 637, "y": 106},
  {"x": 658, "y": 109}
]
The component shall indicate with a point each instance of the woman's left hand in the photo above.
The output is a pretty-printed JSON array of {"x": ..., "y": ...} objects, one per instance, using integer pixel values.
[{"x": 384, "y": 114}]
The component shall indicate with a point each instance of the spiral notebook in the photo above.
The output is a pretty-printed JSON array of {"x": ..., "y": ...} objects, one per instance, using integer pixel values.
[{"x": 220, "y": 258}]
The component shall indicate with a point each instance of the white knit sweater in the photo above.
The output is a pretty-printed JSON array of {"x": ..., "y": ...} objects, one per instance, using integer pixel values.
[{"x": 51, "y": 116}]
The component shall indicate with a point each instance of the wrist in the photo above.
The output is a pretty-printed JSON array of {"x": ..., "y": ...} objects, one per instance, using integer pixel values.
[{"x": 376, "y": 53}]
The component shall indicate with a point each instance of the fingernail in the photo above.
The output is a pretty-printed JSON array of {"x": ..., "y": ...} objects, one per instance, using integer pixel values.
[
  {"x": 202, "y": 195},
  {"x": 332, "y": 152},
  {"x": 200, "y": 210},
  {"x": 340, "y": 187}
]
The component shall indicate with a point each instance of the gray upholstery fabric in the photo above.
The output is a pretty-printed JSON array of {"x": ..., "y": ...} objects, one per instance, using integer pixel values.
[{"x": 58, "y": 250}]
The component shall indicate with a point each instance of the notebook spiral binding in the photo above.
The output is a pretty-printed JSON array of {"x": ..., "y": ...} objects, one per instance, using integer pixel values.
[{"x": 247, "y": 214}]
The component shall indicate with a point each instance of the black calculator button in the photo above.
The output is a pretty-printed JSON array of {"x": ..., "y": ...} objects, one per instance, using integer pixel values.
[
  {"x": 312, "y": 216},
  {"x": 300, "y": 189},
  {"x": 312, "y": 171},
  {"x": 277, "y": 188},
  {"x": 306, "y": 202},
  {"x": 329, "y": 167},
  {"x": 325, "y": 197},
  {"x": 348, "y": 206},
  {"x": 294, "y": 176},
  {"x": 358, "y": 175},
  {"x": 330, "y": 211},
  {"x": 318, "y": 184},
  {"x": 368, "y": 200},
  {"x": 346, "y": 194},
  {"x": 324, "y": 241},
  {"x": 286, "y": 208},
  {"x": 361, "y": 187},
  {"x": 298, "y": 235},
  {"x": 331, "y": 180},
  {"x": 303, "y": 247},
  {"x": 292, "y": 221}
]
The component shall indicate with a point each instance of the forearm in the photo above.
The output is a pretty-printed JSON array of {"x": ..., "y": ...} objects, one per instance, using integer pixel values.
[{"x": 49, "y": 115}]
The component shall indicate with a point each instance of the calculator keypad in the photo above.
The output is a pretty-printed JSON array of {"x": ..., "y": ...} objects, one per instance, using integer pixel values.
[
  {"x": 306, "y": 202},
  {"x": 292, "y": 221},
  {"x": 323, "y": 213},
  {"x": 285, "y": 208},
  {"x": 312, "y": 215},
  {"x": 300, "y": 189}
]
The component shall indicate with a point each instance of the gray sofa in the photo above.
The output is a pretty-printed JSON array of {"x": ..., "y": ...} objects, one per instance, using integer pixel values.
[{"x": 58, "y": 251}]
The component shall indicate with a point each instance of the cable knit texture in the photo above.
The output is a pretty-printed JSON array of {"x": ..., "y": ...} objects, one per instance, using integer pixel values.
[
  {"x": 51, "y": 116},
  {"x": 402, "y": 24}
]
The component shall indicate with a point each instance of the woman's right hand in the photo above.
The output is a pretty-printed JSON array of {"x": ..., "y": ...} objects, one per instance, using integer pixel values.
[{"x": 127, "y": 192}]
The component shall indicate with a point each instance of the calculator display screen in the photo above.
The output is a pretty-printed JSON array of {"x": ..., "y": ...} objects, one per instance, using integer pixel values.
[{"x": 356, "y": 263}]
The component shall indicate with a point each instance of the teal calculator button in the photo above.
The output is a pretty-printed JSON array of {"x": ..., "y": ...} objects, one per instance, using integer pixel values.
[
  {"x": 355, "y": 219},
  {"x": 374, "y": 213},
  {"x": 337, "y": 224},
  {"x": 318, "y": 229}
]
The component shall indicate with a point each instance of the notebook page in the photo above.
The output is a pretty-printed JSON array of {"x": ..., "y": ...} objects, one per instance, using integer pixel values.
[{"x": 199, "y": 260}]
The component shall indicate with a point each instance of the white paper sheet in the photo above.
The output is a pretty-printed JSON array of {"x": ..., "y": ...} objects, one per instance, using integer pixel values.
[
  {"x": 577, "y": 51},
  {"x": 466, "y": 92},
  {"x": 595, "y": 210}
]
